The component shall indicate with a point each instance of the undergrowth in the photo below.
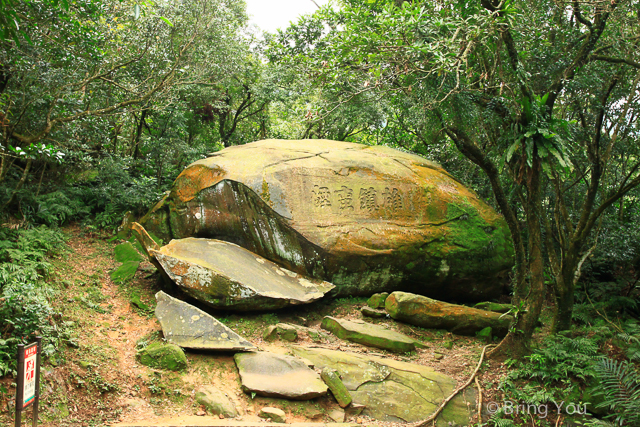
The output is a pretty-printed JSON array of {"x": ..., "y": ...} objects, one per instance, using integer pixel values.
[{"x": 25, "y": 308}]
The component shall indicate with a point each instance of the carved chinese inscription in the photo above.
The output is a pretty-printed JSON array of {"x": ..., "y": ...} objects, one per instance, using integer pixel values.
[
  {"x": 341, "y": 199},
  {"x": 345, "y": 198},
  {"x": 321, "y": 196},
  {"x": 392, "y": 199},
  {"x": 368, "y": 199}
]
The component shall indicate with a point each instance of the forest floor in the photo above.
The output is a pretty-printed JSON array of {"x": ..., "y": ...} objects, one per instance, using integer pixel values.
[{"x": 96, "y": 380}]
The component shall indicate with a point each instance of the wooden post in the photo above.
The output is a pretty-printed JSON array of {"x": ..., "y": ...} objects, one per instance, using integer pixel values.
[{"x": 19, "y": 385}]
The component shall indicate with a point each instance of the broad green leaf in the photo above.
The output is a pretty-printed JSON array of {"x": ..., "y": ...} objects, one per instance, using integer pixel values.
[
  {"x": 511, "y": 150},
  {"x": 167, "y": 21},
  {"x": 136, "y": 11}
]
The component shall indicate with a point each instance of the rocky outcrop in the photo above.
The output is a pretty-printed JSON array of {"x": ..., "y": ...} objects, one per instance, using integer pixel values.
[
  {"x": 275, "y": 375},
  {"x": 225, "y": 275},
  {"x": 429, "y": 313},
  {"x": 369, "y": 335},
  {"x": 394, "y": 391},
  {"x": 365, "y": 218},
  {"x": 190, "y": 327}
]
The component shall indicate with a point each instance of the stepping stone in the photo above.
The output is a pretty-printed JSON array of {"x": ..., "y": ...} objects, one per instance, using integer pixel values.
[
  {"x": 394, "y": 391},
  {"x": 225, "y": 275},
  {"x": 429, "y": 313},
  {"x": 189, "y": 327},
  {"x": 369, "y": 335},
  {"x": 275, "y": 375}
]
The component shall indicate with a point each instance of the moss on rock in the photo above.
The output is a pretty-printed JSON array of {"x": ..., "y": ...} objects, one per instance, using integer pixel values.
[{"x": 163, "y": 356}]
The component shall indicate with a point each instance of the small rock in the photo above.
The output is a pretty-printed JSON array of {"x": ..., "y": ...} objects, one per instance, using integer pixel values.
[
  {"x": 274, "y": 414},
  {"x": 359, "y": 420},
  {"x": 337, "y": 415},
  {"x": 372, "y": 312},
  {"x": 163, "y": 356},
  {"x": 337, "y": 387},
  {"x": 377, "y": 300},
  {"x": 216, "y": 402},
  {"x": 287, "y": 332},
  {"x": 369, "y": 335},
  {"x": 200, "y": 413},
  {"x": 271, "y": 333},
  {"x": 448, "y": 344},
  {"x": 438, "y": 356},
  {"x": 485, "y": 334},
  {"x": 354, "y": 410}
]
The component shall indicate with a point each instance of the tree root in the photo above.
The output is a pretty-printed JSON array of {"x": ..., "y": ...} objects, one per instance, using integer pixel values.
[{"x": 433, "y": 416}]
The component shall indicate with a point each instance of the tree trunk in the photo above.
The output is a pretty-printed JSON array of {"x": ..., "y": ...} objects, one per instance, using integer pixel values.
[
  {"x": 23, "y": 179},
  {"x": 516, "y": 343}
]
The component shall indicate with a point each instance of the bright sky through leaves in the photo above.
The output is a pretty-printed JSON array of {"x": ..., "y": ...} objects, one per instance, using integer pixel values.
[{"x": 270, "y": 15}]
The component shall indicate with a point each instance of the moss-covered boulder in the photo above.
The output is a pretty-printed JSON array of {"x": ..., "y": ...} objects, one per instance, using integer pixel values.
[
  {"x": 377, "y": 300},
  {"x": 429, "y": 313},
  {"x": 365, "y": 218},
  {"x": 163, "y": 356}
]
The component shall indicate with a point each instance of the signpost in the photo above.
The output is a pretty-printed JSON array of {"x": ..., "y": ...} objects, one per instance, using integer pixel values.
[{"x": 28, "y": 384}]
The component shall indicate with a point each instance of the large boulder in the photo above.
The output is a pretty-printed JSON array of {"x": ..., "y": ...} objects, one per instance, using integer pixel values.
[
  {"x": 365, "y": 218},
  {"x": 225, "y": 275}
]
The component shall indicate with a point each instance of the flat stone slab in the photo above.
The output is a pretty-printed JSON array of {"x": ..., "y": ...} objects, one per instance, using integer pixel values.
[
  {"x": 275, "y": 375},
  {"x": 189, "y": 327},
  {"x": 225, "y": 275},
  {"x": 429, "y": 313},
  {"x": 394, "y": 391},
  {"x": 369, "y": 335}
]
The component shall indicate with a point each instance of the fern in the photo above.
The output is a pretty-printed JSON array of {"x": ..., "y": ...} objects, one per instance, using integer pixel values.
[{"x": 620, "y": 389}]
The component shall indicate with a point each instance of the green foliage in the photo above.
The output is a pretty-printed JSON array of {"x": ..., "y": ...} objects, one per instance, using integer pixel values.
[
  {"x": 25, "y": 308},
  {"x": 620, "y": 388},
  {"x": 561, "y": 365},
  {"x": 23, "y": 253}
]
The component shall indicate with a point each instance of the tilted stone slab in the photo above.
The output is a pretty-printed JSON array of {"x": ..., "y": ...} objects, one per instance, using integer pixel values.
[
  {"x": 365, "y": 218},
  {"x": 189, "y": 327},
  {"x": 429, "y": 313},
  {"x": 394, "y": 391},
  {"x": 225, "y": 275},
  {"x": 275, "y": 375},
  {"x": 369, "y": 335}
]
